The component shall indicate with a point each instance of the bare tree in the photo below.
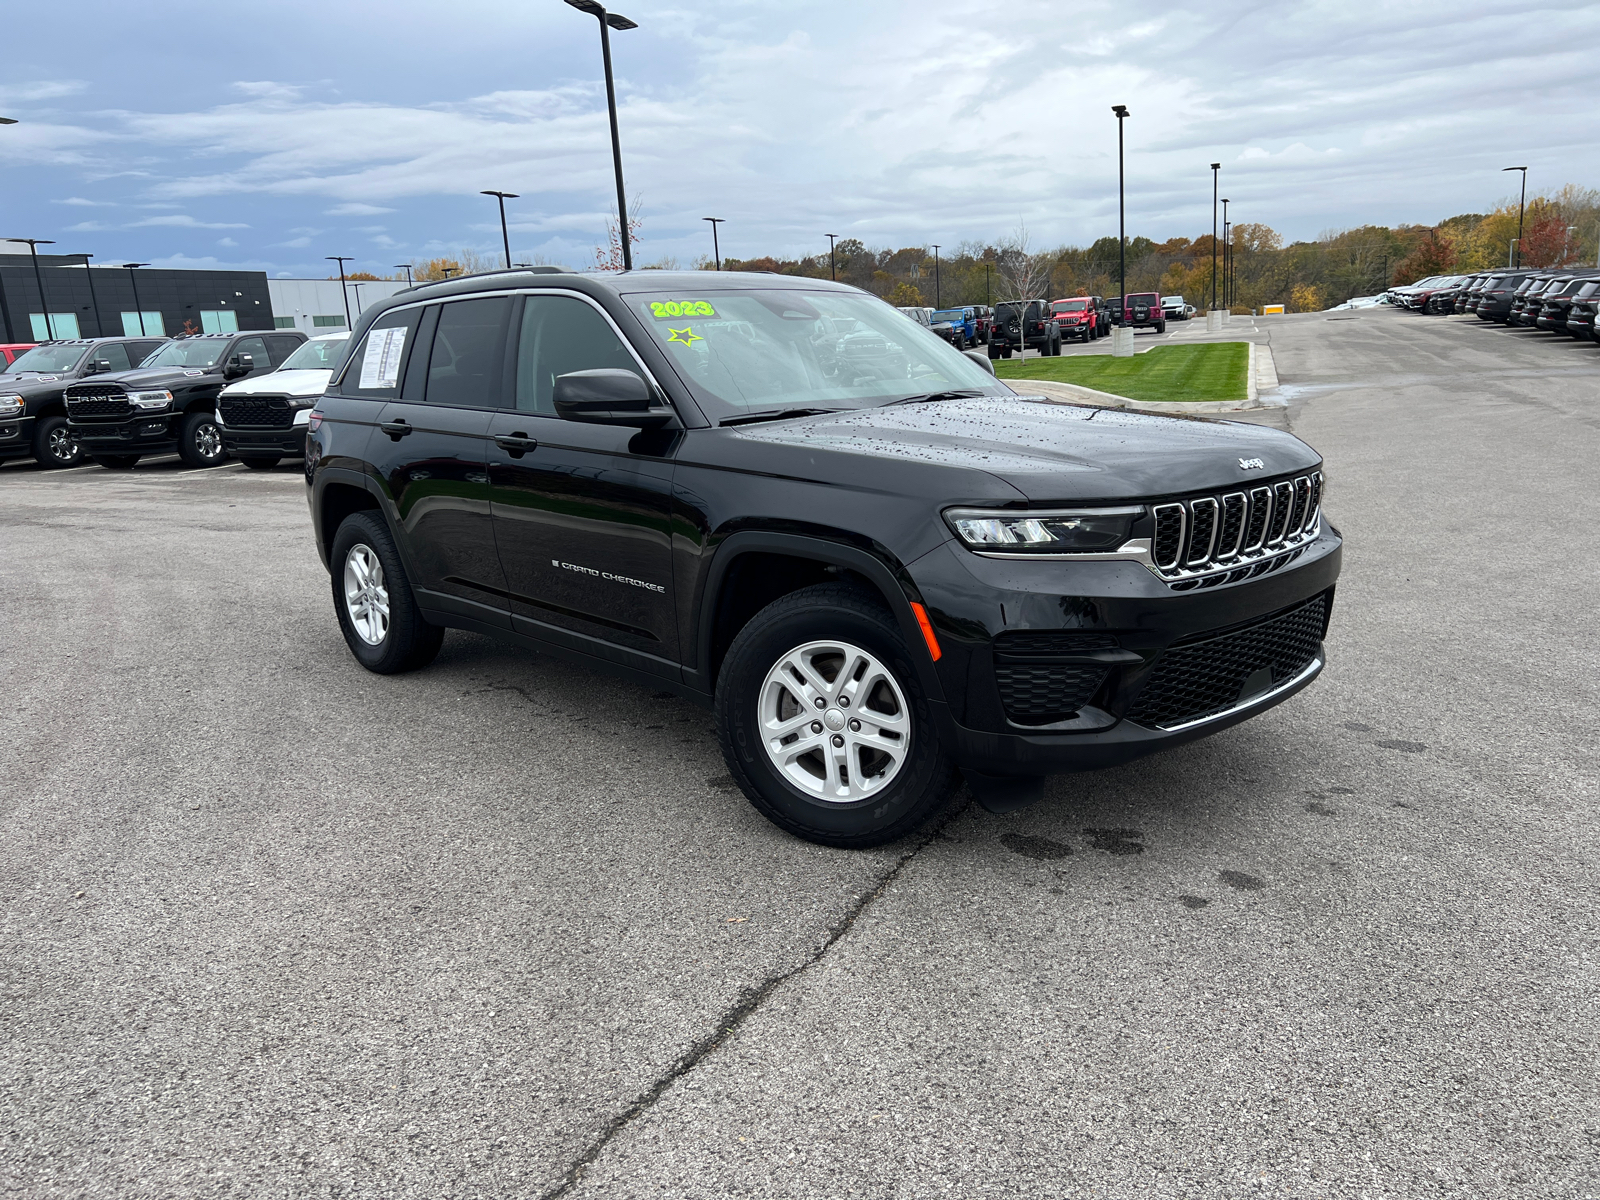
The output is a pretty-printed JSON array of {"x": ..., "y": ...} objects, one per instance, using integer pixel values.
[{"x": 1022, "y": 274}]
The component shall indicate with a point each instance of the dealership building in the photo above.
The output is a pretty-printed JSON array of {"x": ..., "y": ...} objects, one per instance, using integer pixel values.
[{"x": 60, "y": 296}]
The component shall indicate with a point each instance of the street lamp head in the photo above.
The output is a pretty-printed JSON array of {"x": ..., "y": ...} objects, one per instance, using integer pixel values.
[
  {"x": 131, "y": 266},
  {"x": 593, "y": 7},
  {"x": 8, "y": 120},
  {"x": 1513, "y": 168},
  {"x": 619, "y": 22},
  {"x": 31, "y": 241},
  {"x": 1121, "y": 110},
  {"x": 502, "y": 195},
  {"x": 1216, "y": 166}
]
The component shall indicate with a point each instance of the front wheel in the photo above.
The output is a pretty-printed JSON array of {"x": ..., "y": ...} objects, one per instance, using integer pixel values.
[
  {"x": 824, "y": 724},
  {"x": 961, "y": 341},
  {"x": 377, "y": 611},
  {"x": 200, "y": 441},
  {"x": 54, "y": 445}
]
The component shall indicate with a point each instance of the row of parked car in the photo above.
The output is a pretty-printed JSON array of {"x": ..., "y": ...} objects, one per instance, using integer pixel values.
[
  {"x": 1012, "y": 327},
  {"x": 1561, "y": 300},
  {"x": 115, "y": 400}
]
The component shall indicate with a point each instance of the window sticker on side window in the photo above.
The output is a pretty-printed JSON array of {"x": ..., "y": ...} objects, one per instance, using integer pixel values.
[
  {"x": 380, "y": 366},
  {"x": 666, "y": 310}
]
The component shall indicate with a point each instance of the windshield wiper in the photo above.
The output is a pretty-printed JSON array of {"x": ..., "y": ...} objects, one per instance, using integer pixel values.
[
  {"x": 959, "y": 394},
  {"x": 776, "y": 414}
]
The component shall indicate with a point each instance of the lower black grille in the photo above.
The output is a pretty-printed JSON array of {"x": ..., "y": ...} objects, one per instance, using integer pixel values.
[
  {"x": 1207, "y": 676},
  {"x": 1043, "y": 693},
  {"x": 256, "y": 412},
  {"x": 1053, "y": 641}
]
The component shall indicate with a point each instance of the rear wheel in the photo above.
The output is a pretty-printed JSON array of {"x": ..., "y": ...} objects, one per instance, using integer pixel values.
[
  {"x": 54, "y": 445},
  {"x": 259, "y": 464},
  {"x": 115, "y": 462},
  {"x": 200, "y": 441},
  {"x": 1161, "y": 326},
  {"x": 823, "y": 722},
  {"x": 994, "y": 352},
  {"x": 377, "y": 611}
]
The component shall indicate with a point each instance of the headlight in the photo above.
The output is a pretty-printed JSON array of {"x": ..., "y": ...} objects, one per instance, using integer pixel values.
[
  {"x": 10, "y": 406},
  {"x": 302, "y": 417},
  {"x": 217, "y": 417},
  {"x": 1064, "y": 531},
  {"x": 150, "y": 400}
]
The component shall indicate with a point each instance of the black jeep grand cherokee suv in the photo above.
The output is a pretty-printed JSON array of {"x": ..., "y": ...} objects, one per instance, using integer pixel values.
[
  {"x": 170, "y": 403},
  {"x": 785, "y": 499}
]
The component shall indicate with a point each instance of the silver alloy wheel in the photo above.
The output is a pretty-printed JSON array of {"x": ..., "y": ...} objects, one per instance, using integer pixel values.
[
  {"x": 366, "y": 598},
  {"x": 834, "y": 721},
  {"x": 61, "y": 445},
  {"x": 208, "y": 440}
]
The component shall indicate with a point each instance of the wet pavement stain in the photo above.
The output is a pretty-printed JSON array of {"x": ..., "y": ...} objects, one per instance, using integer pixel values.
[
  {"x": 1040, "y": 849},
  {"x": 1193, "y": 901},
  {"x": 1238, "y": 879},
  {"x": 1407, "y": 747},
  {"x": 1115, "y": 841}
]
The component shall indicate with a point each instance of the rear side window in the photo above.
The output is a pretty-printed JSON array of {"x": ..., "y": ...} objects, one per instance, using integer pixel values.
[
  {"x": 468, "y": 355},
  {"x": 375, "y": 369},
  {"x": 139, "y": 351},
  {"x": 561, "y": 334}
]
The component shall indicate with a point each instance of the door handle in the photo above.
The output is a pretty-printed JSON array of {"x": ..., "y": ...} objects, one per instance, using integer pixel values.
[
  {"x": 516, "y": 444},
  {"x": 395, "y": 429}
]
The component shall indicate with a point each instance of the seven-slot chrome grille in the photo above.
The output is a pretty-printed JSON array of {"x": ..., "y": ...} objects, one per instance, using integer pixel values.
[
  {"x": 1223, "y": 538},
  {"x": 97, "y": 401}
]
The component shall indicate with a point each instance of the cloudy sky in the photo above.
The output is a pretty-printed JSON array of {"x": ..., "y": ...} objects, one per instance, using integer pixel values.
[{"x": 269, "y": 136}]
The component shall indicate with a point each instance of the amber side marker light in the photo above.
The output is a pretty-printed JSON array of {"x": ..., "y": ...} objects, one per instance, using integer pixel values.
[{"x": 927, "y": 631}]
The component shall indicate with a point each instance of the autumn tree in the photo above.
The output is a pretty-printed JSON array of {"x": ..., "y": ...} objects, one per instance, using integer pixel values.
[{"x": 1433, "y": 255}]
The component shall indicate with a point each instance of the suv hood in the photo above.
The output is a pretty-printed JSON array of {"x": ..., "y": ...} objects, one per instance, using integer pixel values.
[
  {"x": 282, "y": 383},
  {"x": 1046, "y": 450}
]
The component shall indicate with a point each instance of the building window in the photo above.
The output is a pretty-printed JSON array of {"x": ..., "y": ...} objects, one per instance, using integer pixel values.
[
  {"x": 283, "y": 322},
  {"x": 62, "y": 325},
  {"x": 152, "y": 325},
  {"x": 225, "y": 321},
  {"x": 333, "y": 322}
]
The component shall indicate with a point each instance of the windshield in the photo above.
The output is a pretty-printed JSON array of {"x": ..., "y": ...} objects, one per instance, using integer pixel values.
[
  {"x": 187, "y": 354},
  {"x": 47, "y": 360},
  {"x": 323, "y": 354},
  {"x": 1071, "y": 305},
  {"x": 743, "y": 352}
]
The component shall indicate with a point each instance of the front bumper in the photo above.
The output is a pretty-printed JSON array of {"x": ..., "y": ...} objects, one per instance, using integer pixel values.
[
  {"x": 975, "y": 600},
  {"x": 16, "y": 438},
  {"x": 135, "y": 435}
]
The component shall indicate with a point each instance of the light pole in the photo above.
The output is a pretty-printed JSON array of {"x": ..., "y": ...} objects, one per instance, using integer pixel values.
[
  {"x": 341, "y": 260},
  {"x": 716, "y": 250},
  {"x": 1122, "y": 226},
  {"x": 94, "y": 300},
  {"x": 1225, "y": 301},
  {"x": 833, "y": 271},
  {"x": 938, "y": 299},
  {"x": 504, "y": 236},
  {"x": 1521, "y": 205},
  {"x": 987, "y": 268},
  {"x": 448, "y": 271},
  {"x": 134, "y": 280},
  {"x": 33, "y": 249},
  {"x": 609, "y": 21},
  {"x": 406, "y": 267},
  {"x": 1215, "y": 167}
]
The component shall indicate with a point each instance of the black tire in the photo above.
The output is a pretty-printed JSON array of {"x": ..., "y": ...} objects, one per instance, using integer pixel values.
[
  {"x": 1084, "y": 336},
  {"x": 994, "y": 352},
  {"x": 408, "y": 641},
  {"x": 115, "y": 462},
  {"x": 54, "y": 445},
  {"x": 200, "y": 441},
  {"x": 961, "y": 341},
  {"x": 1161, "y": 326},
  {"x": 260, "y": 464},
  {"x": 925, "y": 778}
]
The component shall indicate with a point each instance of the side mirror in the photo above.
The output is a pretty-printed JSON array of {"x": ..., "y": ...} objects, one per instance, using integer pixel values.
[
  {"x": 100, "y": 366},
  {"x": 235, "y": 366},
  {"x": 607, "y": 397},
  {"x": 981, "y": 359}
]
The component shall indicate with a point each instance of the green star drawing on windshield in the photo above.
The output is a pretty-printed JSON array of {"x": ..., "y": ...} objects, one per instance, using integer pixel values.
[{"x": 686, "y": 335}]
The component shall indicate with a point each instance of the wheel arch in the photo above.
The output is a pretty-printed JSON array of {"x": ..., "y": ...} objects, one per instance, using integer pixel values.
[
  {"x": 336, "y": 500},
  {"x": 752, "y": 569}
]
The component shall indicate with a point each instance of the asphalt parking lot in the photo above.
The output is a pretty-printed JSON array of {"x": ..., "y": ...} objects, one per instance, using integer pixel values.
[{"x": 272, "y": 926}]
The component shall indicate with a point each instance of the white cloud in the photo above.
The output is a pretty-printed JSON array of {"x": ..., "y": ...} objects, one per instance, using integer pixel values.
[
  {"x": 227, "y": 241},
  {"x": 39, "y": 90},
  {"x": 184, "y": 221},
  {"x": 357, "y": 210},
  {"x": 80, "y": 202}
]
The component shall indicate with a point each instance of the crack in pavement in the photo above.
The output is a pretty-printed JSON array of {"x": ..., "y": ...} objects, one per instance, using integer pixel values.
[{"x": 741, "y": 1011}]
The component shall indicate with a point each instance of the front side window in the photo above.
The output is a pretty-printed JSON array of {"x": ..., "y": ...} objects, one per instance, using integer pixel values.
[
  {"x": 561, "y": 334},
  {"x": 742, "y": 352},
  {"x": 468, "y": 351},
  {"x": 114, "y": 353},
  {"x": 188, "y": 353},
  {"x": 49, "y": 360},
  {"x": 256, "y": 348}
]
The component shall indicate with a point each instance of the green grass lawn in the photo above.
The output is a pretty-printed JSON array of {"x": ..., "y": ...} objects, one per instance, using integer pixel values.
[{"x": 1210, "y": 371}]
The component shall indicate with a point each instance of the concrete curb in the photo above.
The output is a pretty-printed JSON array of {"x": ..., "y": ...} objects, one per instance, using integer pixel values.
[{"x": 1262, "y": 377}]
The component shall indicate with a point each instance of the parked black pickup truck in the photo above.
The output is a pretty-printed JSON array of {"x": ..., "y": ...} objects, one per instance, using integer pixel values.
[
  {"x": 778, "y": 497},
  {"x": 169, "y": 403},
  {"x": 33, "y": 420}
]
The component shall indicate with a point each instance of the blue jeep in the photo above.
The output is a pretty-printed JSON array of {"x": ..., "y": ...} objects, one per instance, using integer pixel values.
[{"x": 963, "y": 323}]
